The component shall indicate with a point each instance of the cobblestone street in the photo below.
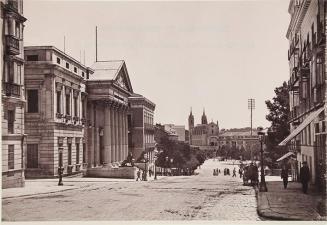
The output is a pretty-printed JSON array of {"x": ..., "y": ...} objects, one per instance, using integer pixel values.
[{"x": 170, "y": 198}]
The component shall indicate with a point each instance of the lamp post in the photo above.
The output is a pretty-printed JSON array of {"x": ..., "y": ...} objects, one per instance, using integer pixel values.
[
  {"x": 263, "y": 186},
  {"x": 60, "y": 168},
  {"x": 155, "y": 161},
  {"x": 166, "y": 165},
  {"x": 145, "y": 165},
  {"x": 171, "y": 162}
]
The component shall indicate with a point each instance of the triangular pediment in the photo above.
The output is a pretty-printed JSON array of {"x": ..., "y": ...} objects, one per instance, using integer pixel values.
[{"x": 122, "y": 79}]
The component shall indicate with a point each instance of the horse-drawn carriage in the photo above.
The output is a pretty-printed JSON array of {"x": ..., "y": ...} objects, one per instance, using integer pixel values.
[{"x": 250, "y": 175}]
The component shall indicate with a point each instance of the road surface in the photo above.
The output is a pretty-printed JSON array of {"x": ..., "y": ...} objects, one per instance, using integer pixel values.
[{"x": 200, "y": 197}]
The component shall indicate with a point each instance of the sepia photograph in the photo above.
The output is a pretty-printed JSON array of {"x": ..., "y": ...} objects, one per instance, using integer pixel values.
[{"x": 163, "y": 111}]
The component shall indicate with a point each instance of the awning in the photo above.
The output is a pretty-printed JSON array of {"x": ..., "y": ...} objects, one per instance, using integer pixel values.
[
  {"x": 305, "y": 123},
  {"x": 285, "y": 156}
]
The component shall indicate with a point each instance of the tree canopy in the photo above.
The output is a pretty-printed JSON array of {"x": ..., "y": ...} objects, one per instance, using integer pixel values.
[{"x": 278, "y": 116}]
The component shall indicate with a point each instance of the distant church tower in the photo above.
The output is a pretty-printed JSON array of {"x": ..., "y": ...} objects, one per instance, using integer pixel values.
[
  {"x": 190, "y": 125},
  {"x": 204, "y": 118}
]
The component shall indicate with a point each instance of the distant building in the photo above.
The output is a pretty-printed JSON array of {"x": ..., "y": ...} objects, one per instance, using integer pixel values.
[
  {"x": 238, "y": 138},
  {"x": 13, "y": 93},
  {"x": 179, "y": 130},
  {"x": 161, "y": 132},
  {"x": 307, "y": 86},
  {"x": 204, "y": 135}
]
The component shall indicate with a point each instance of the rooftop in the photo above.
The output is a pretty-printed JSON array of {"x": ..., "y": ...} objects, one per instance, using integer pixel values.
[{"x": 106, "y": 70}]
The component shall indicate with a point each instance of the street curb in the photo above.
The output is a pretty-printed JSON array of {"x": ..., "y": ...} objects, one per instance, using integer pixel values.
[
  {"x": 262, "y": 213},
  {"x": 263, "y": 205},
  {"x": 38, "y": 194}
]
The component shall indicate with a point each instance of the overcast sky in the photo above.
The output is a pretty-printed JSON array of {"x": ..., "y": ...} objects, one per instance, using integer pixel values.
[{"x": 212, "y": 55}]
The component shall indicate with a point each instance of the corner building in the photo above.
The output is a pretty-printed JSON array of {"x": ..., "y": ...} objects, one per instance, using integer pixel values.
[
  {"x": 55, "y": 115},
  {"x": 13, "y": 94},
  {"x": 307, "y": 86}
]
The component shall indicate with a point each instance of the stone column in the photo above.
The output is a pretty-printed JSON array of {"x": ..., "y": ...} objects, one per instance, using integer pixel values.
[
  {"x": 95, "y": 137},
  {"x": 126, "y": 133},
  {"x": 107, "y": 136},
  {"x": 90, "y": 141},
  {"x": 112, "y": 134},
  {"x": 116, "y": 136},
  {"x": 120, "y": 134}
]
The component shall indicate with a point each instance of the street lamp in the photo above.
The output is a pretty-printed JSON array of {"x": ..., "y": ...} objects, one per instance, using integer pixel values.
[
  {"x": 166, "y": 165},
  {"x": 171, "y": 162},
  {"x": 60, "y": 168},
  {"x": 263, "y": 186},
  {"x": 145, "y": 165},
  {"x": 155, "y": 161}
]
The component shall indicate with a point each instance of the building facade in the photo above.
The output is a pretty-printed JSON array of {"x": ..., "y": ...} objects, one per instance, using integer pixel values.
[
  {"x": 55, "y": 115},
  {"x": 241, "y": 139},
  {"x": 204, "y": 135},
  {"x": 13, "y": 93},
  {"x": 307, "y": 84},
  {"x": 108, "y": 91},
  {"x": 141, "y": 135}
]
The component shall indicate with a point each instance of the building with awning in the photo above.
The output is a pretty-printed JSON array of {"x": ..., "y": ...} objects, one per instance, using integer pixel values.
[
  {"x": 286, "y": 156},
  {"x": 307, "y": 87},
  {"x": 313, "y": 115}
]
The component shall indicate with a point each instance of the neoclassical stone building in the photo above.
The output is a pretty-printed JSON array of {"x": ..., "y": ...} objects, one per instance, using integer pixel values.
[
  {"x": 55, "y": 115},
  {"x": 108, "y": 91},
  {"x": 77, "y": 117},
  {"x": 12, "y": 96}
]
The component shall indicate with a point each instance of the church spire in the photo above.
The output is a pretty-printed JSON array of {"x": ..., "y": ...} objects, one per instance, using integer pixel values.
[
  {"x": 204, "y": 118},
  {"x": 191, "y": 120}
]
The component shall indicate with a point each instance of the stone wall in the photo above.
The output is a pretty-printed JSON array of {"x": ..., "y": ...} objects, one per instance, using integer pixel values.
[{"x": 120, "y": 172}]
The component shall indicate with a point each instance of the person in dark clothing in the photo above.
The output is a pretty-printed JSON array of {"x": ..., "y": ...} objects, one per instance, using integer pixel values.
[
  {"x": 138, "y": 175},
  {"x": 284, "y": 175},
  {"x": 305, "y": 177},
  {"x": 234, "y": 172}
]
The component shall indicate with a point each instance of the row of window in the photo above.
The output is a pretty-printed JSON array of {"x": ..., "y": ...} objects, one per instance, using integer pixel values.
[
  {"x": 33, "y": 99},
  {"x": 33, "y": 155},
  {"x": 59, "y": 61}
]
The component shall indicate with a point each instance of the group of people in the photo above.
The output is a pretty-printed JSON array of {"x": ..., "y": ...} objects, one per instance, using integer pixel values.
[
  {"x": 216, "y": 172},
  {"x": 304, "y": 176},
  {"x": 143, "y": 178}
]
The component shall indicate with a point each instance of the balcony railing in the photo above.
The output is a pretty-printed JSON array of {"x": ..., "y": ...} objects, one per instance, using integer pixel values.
[
  {"x": 12, "y": 89},
  {"x": 12, "y": 44}
]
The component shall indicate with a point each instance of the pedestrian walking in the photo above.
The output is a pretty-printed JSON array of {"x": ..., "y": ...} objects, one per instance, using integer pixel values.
[
  {"x": 240, "y": 171},
  {"x": 234, "y": 172},
  {"x": 214, "y": 172},
  {"x": 284, "y": 175},
  {"x": 218, "y": 171},
  {"x": 305, "y": 177},
  {"x": 138, "y": 175}
]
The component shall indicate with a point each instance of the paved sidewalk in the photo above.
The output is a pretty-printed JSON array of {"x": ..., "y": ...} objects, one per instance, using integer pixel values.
[
  {"x": 47, "y": 186},
  {"x": 288, "y": 204}
]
